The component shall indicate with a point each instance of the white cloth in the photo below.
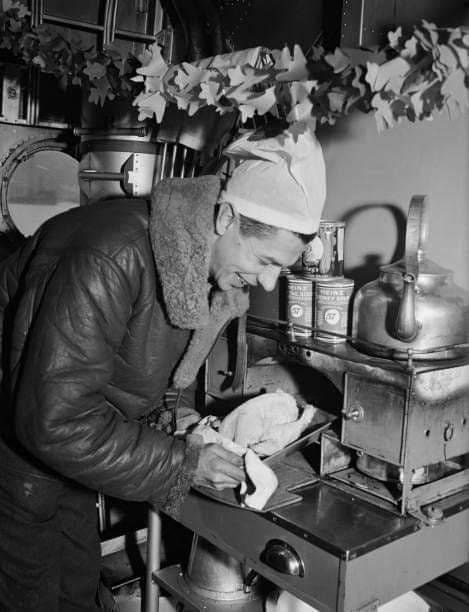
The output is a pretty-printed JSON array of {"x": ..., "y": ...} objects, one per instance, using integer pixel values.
[{"x": 280, "y": 181}]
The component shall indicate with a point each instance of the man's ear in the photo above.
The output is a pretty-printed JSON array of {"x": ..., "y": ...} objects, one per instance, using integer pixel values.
[{"x": 226, "y": 216}]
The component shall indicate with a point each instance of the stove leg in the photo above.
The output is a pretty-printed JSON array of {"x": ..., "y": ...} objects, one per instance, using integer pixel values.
[{"x": 152, "y": 590}]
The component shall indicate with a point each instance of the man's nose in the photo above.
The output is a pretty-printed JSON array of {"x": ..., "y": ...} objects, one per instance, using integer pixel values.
[{"x": 268, "y": 277}]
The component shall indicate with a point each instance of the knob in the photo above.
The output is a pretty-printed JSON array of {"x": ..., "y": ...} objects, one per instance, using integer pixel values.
[
  {"x": 283, "y": 558},
  {"x": 448, "y": 432},
  {"x": 355, "y": 412}
]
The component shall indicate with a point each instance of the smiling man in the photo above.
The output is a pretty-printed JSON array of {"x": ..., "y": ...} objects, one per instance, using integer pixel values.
[{"x": 109, "y": 311}]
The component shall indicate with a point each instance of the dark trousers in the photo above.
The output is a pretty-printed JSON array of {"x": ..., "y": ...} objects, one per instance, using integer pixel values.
[{"x": 49, "y": 545}]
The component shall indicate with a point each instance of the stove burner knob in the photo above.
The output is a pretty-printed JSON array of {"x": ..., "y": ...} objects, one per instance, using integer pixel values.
[
  {"x": 283, "y": 558},
  {"x": 355, "y": 412}
]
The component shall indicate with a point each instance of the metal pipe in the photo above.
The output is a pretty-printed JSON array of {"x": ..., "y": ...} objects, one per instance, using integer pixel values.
[
  {"x": 164, "y": 156},
  {"x": 65, "y": 22},
  {"x": 172, "y": 168},
  {"x": 152, "y": 590},
  {"x": 182, "y": 172},
  {"x": 92, "y": 175},
  {"x": 127, "y": 131}
]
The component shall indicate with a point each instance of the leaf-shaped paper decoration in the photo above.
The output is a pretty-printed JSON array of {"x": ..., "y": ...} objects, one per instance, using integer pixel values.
[
  {"x": 460, "y": 48},
  {"x": 336, "y": 101},
  {"x": 390, "y": 74},
  {"x": 395, "y": 37},
  {"x": 296, "y": 69},
  {"x": 95, "y": 70},
  {"x": 426, "y": 37},
  {"x": 410, "y": 48},
  {"x": 262, "y": 103},
  {"x": 357, "y": 82},
  {"x": 102, "y": 89},
  {"x": 417, "y": 103},
  {"x": 301, "y": 111},
  {"x": 371, "y": 74},
  {"x": 209, "y": 92},
  {"x": 187, "y": 76},
  {"x": 282, "y": 58},
  {"x": 21, "y": 9},
  {"x": 151, "y": 104},
  {"x": 246, "y": 111},
  {"x": 338, "y": 60},
  {"x": 456, "y": 93},
  {"x": 193, "y": 107},
  {"x": 245, "y": 77},
  {"x": 383, "y": 113},
  {"x": 152, "y": 84},
  {"x": 416, "y": 74},
  {"x": 299, "y": 90},
  {"x": 447, "y": 60},
  {"x": 15, "y": 25},
  {"x": 153, "y": 63},
  {"x": 39, "y": 61}
]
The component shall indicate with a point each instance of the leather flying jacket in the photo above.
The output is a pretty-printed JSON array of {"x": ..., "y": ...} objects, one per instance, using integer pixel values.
[{"x": 89, "y": 347}]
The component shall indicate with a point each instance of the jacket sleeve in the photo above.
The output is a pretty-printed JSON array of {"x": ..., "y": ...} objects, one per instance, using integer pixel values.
[{"x": 62, "y": 416}]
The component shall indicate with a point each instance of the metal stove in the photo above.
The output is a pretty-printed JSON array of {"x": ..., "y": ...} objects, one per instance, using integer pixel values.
[{"x": 389, "y": 509}]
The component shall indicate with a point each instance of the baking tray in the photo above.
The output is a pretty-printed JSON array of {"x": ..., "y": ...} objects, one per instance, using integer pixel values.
[{"x": 293, "y": 471}]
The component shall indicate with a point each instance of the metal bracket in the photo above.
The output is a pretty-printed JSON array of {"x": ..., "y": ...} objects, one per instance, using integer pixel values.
[
  {"x": 432, "y": 515},
  {"x": 372, "y": 606}
]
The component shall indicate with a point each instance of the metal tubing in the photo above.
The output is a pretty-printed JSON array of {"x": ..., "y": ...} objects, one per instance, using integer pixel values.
[
  {"x": 152, "y": 590},
  {"x": 125, "y": 131},
  {"x": 164, "y": 156},
  {"x": 182, "y": 172},
  {"x": 92, "y": 175},
  {"x": 172, "y": 170}
]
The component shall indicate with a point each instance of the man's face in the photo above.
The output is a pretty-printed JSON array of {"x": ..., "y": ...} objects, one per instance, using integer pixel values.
[{"x": 239, "y": 260}]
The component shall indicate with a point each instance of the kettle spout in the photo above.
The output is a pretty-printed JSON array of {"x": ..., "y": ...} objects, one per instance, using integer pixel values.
[{"x": 406, "y": 326}]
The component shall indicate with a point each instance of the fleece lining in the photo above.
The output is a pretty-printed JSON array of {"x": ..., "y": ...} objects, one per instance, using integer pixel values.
[{"x": 182, "y": 230}]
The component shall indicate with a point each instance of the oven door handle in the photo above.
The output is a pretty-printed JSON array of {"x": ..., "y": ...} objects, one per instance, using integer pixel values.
[{"x": 283, "y": 558}]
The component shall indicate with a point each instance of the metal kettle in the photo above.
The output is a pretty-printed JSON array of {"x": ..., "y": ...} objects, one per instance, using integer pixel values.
[{"x": 413, "y": 309}]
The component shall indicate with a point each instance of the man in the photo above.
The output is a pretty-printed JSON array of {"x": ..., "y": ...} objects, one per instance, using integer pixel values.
[{"x": 104, "y": 309}]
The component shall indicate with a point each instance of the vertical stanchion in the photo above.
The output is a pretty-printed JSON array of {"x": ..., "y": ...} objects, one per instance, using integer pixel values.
[{"x": 152, "y": 590}]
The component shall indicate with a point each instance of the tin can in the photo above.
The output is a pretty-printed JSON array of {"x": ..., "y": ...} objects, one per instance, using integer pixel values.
[
  {"x": 324, "y": 255},
  {"x": 332, "y": 305},
  {"x": 300, "y": 304}
]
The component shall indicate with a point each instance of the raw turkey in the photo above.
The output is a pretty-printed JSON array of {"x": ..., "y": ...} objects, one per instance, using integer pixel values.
[{"x": 267, "y": 423}]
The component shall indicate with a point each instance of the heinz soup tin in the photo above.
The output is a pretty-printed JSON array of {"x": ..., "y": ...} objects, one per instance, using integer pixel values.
[
  {"x": 332, "y": 305},
  {"x": 324, "y": 255},
  {"x": 300, "y": 304}
]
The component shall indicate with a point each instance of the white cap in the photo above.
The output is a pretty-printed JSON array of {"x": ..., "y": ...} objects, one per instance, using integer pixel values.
[{"x": 281, "y": 180}]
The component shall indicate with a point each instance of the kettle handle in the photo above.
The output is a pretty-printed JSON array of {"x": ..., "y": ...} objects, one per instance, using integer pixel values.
[
  {"x": 406, "y": 327},
  {"x": 416, "y": 231}
]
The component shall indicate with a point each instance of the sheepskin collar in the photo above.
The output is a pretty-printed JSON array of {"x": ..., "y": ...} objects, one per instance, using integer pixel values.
[{"x": 181, "y": 231}]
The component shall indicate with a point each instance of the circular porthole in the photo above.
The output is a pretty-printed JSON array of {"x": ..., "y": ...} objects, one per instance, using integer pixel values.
[{"x": 38, "y": 180}]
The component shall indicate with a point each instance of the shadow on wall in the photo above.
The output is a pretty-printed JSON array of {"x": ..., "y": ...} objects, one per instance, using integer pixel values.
[{"x": 368, "y": 270}]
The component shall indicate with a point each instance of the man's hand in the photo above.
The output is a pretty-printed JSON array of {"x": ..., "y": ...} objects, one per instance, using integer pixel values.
[{"x": 219, "y": 468}]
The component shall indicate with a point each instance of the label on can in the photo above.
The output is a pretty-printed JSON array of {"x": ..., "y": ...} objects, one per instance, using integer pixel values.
[
  {"x": 332, "y": 304},
  {"x": 324, "y": 255},
  {"x": 300, "y": 304}
]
